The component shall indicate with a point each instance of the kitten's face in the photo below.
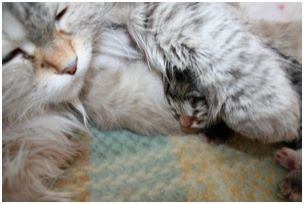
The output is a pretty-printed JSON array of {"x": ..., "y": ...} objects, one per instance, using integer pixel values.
[
  {"x": 186, "y": 99},
  {"x": 46, "y": 49}
]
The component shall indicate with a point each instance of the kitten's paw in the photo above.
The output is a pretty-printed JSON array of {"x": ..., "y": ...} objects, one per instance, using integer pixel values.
[
  {"x": 209, "y": 140},
  {"x": 291, "y": 186},
  {"x": 216, "y": 134},
  {"x": 288, "y": 158}
]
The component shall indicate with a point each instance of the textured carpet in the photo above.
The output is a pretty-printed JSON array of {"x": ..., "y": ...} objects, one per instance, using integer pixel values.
[{"x": 124, "y": 166}]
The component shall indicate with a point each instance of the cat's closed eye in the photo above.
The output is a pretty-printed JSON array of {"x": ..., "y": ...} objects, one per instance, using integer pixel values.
[
  {"x": 61, "y": 14},
  {"x": 175, "y": 113},
  {"x": 59, "y": 18},
  {"x": 195, "y": 100},
  {"x": 14, "y": 53}
]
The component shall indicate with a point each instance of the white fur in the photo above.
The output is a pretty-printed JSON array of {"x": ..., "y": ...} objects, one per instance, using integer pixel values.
[
  {"x": 124, "y": 93},
  {"x": 36, "y": 118},
  {"x": 113, "y": 85}
]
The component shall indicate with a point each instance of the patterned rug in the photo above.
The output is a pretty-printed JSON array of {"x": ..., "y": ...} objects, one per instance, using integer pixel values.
[{"x": 124, "y": 166}]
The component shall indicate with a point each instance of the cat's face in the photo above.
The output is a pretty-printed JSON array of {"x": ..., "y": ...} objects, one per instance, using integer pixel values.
[
  {"x": 47, "y": 48},
  {"x": 186, "y": 99}
]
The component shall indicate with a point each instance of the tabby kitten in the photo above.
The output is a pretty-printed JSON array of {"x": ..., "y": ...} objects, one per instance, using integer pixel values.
[
  {"x": 190, "y": 106},
  {"x": 243, "y": 80}
]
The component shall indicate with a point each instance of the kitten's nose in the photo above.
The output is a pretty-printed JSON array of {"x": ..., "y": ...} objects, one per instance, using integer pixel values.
[
  {"x": 71, "y": 67},
  {"x": 186, "y": 121}
]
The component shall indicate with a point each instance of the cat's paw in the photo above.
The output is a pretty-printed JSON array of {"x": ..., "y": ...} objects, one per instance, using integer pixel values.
[
  {"x": 291, "y": 186},
  {"x": 216, "y": 134},
  {"x": 288, "y": 158},
  {"x": 214, "y": 141}
]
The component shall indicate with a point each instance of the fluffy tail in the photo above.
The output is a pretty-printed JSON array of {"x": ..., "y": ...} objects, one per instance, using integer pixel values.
[{"x": 35, "y": 154}]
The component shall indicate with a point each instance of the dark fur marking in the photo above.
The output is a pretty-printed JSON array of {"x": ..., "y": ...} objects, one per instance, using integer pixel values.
[
  {"x": 232, "y": 36},
  {"x": 218, "y": 131}
]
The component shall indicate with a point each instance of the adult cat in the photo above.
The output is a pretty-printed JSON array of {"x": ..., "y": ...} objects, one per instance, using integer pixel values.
[{"x": 46, "y": 55}]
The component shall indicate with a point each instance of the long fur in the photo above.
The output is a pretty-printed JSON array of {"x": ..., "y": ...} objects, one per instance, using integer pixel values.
[
  {"x": 40, "y": 129},
  {"x": 35, "y": 154},
  {"x": 233, "y": 66}
]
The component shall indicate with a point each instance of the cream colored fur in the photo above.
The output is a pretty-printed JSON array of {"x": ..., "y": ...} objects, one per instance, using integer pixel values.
[
  {"x": 40, "y": 133},
  {"x": 114, "y": 84}
]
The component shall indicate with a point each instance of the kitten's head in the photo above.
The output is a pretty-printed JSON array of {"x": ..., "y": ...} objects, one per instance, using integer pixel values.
[
  {"x": 186, "y": 98},
  {"x": 46, "y": 52}
]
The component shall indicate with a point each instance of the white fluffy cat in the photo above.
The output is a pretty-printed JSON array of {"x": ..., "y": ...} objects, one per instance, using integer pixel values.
[{"x": 46, "y": 53}]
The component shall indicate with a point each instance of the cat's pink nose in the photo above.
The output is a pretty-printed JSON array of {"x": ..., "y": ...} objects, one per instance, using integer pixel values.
[
  {"x": 186, "y": 121},
  {"x": 71, "y": 68}
]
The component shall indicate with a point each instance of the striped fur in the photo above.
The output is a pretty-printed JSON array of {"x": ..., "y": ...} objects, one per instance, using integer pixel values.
[{"x": 243, "y": 80}]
